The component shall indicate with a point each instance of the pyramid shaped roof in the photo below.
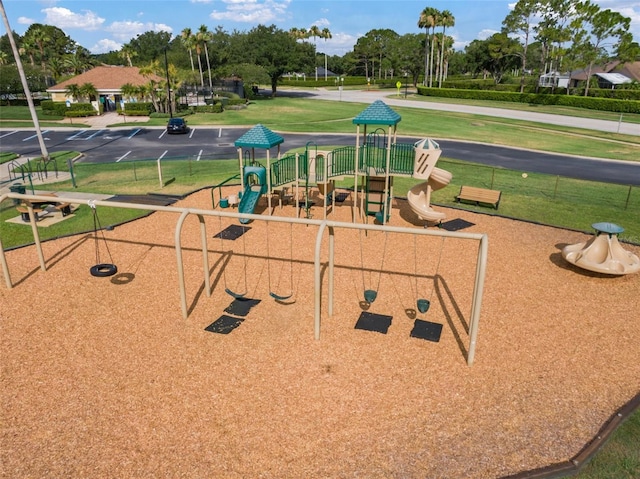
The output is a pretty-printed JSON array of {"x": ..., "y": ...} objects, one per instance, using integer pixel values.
[
  {"x": 378, "y": 113},
  {"x": 259, "y": 137}
]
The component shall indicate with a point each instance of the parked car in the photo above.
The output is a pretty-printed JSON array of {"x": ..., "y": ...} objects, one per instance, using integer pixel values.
[{"x": 177, "y": 125}]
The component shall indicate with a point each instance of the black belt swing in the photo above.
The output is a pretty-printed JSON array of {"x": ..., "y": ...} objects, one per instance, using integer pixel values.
[
  {"x": 224, "y": 269},
  {"x": 100, "y": 270}
]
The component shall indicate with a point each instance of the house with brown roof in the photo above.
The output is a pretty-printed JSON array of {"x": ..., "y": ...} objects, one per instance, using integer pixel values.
[
  {"x": 609, "y": 75},
  {"x": 107, "y": 80}
]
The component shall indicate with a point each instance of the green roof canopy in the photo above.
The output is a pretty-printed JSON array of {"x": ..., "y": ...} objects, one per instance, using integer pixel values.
[
  {"x": 259, "y": 137},
  {"x": 378, "y": 113}
]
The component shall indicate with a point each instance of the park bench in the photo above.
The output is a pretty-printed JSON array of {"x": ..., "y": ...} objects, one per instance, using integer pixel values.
[{"x": 479, "y": 195}]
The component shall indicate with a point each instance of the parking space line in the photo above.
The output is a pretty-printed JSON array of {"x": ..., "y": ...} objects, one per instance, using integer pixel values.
[
  {"x": 219, "y": 132},
  {"x": 191, "y": 133},
  {"x": 33, "y": 136},
  {"x": 73, "y": 137},
  {"x": 163, "y": 132},
  {"x": 162, "y": 156},
  {"x": 135, "y": 132},
  {"x": 199, "y": 155},
  {"x": 10, "y": 133},
  {"x": 96, "y": 133},
  {"x": 123, "y": 156}
]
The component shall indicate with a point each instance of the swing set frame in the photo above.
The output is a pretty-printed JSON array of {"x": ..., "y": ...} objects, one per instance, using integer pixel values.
[{"x": 323, "y": 226}]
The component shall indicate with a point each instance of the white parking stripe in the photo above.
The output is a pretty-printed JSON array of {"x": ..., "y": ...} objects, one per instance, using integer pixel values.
[
  {"x": 199, "y": 155},
  {"x": 135, "y": 132},
  {"x": 192, "y": 131},
  {"x": 10, "y": 133},
  {"x": 219, "y": 132},
  {"x": 33, "y": 136},
  {"x": 96, "y": 133},
  {"x": 73, "y": 137},
  {"x": 163, "y": 132},
  {"x": 162, "y": 156},
  {"x": 123, "y": 156}
]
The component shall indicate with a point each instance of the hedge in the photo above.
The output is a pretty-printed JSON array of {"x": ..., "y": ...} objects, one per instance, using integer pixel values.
[{"x": 591, "y": 103}]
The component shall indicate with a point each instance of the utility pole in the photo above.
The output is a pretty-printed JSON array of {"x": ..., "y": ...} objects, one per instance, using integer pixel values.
[{"x": 25, "y": 85}]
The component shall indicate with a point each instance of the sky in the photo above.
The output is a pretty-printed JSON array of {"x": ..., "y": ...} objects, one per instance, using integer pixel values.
[{"x": 105, "y": 25}]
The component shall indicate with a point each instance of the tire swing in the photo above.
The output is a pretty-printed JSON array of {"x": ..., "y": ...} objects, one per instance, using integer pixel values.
[
  {"x": 100, "y": 270},
  {"x": 281, "y": 297}
]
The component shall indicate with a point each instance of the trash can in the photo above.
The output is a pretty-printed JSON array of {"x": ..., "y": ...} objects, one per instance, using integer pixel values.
[
  {"x": 17, "y": 188},
  {"x": 224, "y": 203}
]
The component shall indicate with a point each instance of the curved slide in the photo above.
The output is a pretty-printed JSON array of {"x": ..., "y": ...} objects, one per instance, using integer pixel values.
[{"x": 419, "y": 197}]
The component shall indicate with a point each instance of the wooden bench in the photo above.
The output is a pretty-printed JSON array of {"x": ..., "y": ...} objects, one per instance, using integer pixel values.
[{"x": 479, "y": 195}]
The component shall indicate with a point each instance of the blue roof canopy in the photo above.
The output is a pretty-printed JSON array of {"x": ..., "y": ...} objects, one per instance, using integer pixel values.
[
  {"x": 378, "y": 113},
  {"x": 259, "y": 137}
]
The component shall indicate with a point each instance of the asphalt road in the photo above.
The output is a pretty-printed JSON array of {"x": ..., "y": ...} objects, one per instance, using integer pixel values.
[{"x": 203, "y": 144}]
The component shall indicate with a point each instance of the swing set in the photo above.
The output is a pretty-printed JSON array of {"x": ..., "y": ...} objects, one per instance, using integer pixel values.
[
  {"x": 370, "y": 295},
  {"x": 279, "y": 297}
]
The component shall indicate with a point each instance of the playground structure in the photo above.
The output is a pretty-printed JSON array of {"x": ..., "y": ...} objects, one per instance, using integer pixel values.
[
  {"x": 373, "y": 162},
  {"x": 603, "y": 253}
]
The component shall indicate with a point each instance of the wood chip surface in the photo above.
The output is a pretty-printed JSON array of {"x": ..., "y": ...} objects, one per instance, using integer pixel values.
[{"x": 103, "y": 378}]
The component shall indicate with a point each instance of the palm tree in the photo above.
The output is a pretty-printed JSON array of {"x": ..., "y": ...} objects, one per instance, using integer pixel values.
[
  {"x": 314, "y": 32},
  {"x": 127, "y": 52},
  {"x": 204, "y": 35},
  {"x": 446, "y": 20},
  {"x": 198, "y": 48},
  {"x": 427, "y": 21},
  {"x": 40, "y": 38},
  {"x": 187, "y": 39},
  {"x": 326, "y": 34},
  {"x": 89, "y": 91},
  {"x": 73, "y": 90}
]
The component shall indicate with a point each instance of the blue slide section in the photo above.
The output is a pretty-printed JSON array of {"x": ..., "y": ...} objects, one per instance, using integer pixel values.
[{"x": 249, "y": 200}]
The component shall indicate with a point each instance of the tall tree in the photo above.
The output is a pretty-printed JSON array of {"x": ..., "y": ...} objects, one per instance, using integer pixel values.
[
  {"x": 188, "y": 40},
  {"x": 204, "y": 36},
  {"x": 600, "y": 26},
  {"x": 315, "y": 32},
  {"x": 446, "y": 20},
  {"x": 326, "y": 35},
  {"x": 127, "y": 52},
  {"x": 520, "y": 21},
  {"x": 273, "y": 49},
  {"x": 428, "y": 20}
]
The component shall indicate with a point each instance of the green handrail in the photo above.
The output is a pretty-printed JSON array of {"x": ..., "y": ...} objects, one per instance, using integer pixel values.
[{"x": 219, "y": 187}]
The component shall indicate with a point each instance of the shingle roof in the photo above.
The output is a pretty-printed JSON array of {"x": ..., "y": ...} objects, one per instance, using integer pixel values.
[
  {"x": 259, "y": 137},
  {"x": 378, "y": 113},
  {"x": 107, "y": 78}
]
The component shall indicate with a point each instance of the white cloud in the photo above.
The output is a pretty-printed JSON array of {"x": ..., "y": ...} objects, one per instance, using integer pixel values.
[
  {"x": 25, "y": 20},
  {"x": 65, "y": 18},
  {"x": 486, "y": 33},
  {"x": 105, "y": 46},
  {"x": 124, "y": 31},
  {"x": 321, "y": 23},
  {"x": 251, "y": 11}
]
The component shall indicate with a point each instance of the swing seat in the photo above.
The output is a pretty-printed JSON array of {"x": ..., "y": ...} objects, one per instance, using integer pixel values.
[
  {"x": 423, "y": 305},
  {"x": 235, "y": 295},
  {"x": 370, "y": 295},
  {"x": 278, "y": 297}
]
